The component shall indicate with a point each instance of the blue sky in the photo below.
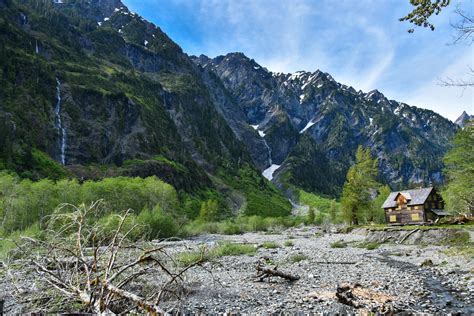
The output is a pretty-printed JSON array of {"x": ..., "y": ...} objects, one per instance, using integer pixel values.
[{"x": 359, "y": 42}]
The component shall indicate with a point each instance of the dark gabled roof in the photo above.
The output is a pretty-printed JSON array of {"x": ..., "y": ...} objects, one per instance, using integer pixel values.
[{"x": 417, "y": 197}]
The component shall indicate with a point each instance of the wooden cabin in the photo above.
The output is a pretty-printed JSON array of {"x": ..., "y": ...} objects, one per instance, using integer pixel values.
[{"x": 418, "y": 206}]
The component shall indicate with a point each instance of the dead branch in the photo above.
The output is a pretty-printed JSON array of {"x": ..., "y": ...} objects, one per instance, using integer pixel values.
[
  {"x": 104, "y": 274},
  {"x": 263, "y": 273},
  {"x": 407, "y": 235}
]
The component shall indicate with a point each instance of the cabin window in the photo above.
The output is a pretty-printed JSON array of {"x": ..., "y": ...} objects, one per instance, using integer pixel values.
[
  {"x": 393, "y": 218},
  {"x": 417, "y": 207},
  {"x": 415, "y": 217}
]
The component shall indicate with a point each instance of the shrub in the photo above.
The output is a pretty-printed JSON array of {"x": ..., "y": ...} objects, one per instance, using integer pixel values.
[
  {"x": 297, "y": 257},
  {"x": 270, "y": 245},
  {"x": 157, "y": 223},
  {"x": 222, "y": 250},
  {"x": 289, "y": 243},
  {"x": 338, "y": 244}
]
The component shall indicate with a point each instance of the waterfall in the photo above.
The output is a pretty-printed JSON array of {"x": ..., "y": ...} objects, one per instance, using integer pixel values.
[
  {"x": 269, "y": 150},
  {"x": 37, "y": 48},
  {"x": 267, "y": 173},
  {"x": 59, "y": 124}
]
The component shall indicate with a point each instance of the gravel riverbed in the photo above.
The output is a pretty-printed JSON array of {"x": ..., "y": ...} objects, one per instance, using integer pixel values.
[{"x": 393, "y": 272}]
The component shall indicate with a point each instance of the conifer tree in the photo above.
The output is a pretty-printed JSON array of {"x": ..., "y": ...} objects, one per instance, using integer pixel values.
[{"x": 359, "y": 186}]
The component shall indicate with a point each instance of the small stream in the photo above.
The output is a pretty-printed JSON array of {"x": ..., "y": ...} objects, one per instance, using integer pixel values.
[{"x": 442, "y": 299}]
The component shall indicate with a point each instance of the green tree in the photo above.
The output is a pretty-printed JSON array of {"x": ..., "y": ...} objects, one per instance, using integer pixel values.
[
  {"x": 360, "y": 183},
  {"x": 459, "y": 171},
  {"x": 423, "y": 10},
  {"x": 376, "y": 214},
  {"x": 209, "y": 210}
]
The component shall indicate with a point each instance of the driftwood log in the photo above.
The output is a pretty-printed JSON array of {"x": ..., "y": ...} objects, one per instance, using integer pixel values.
[{"x": 263, "y": 273}]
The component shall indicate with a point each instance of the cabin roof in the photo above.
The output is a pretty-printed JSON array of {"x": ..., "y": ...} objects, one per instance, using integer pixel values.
[
  {"x": 440, "y": 212},
  {"x": 414, "y": 197}
]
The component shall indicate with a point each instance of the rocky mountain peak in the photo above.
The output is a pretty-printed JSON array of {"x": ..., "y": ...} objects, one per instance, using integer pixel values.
[{"x": 463, "y": 118}]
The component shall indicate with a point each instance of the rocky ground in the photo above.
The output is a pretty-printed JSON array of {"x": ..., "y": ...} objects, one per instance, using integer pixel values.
[
  {"x": 413, "y": 277},
  {"x": 393, "y": 277}
]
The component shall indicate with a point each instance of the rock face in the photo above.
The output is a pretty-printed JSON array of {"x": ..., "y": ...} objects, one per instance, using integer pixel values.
[
  {"x": 130, "y": 93},
  {"x": 408, "y": 141},
  {"x": 462, "y": 119}
]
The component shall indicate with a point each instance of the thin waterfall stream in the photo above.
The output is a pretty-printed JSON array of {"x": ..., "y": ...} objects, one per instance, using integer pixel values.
[
  {"x": 58, "y": 123},
  {"x": 267, "y": 173}
]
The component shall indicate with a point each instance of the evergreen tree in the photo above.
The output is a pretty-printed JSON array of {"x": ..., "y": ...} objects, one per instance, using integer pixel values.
[
  {"x": 359, "y": 185},
  {"x": 459, "y": 171}
]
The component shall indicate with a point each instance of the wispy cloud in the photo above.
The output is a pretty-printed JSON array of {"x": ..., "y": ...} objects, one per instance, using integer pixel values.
[{"x": 360, "y": 43}]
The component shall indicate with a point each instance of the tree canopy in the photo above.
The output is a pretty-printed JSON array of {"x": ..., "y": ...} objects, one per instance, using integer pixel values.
[
  {"x": 360, "y": 186},
  {"x": 459, "y": 171}
]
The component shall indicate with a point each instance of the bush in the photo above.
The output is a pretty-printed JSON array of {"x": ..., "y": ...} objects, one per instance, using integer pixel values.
[
  {"x": 369, "y": 245},
  {"x": 289, "y": 243},
  {"x": 222, "y": 250},
  {"x": 339, "y": 244},
  {"x": 157, "y": 223},
  {"x": 298, "y": 257},
  {"x": 270, "y": 245}
]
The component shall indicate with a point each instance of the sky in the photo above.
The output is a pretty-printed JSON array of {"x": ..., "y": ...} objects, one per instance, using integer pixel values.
[{"x": 359, "y": 42}]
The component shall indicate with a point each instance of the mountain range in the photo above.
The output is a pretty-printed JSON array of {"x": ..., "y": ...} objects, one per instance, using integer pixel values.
[{"x": 91, "y": 89}]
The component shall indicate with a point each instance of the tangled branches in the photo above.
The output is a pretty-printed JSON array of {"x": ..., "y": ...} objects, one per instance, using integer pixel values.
[{"x": 77, "y": 264}]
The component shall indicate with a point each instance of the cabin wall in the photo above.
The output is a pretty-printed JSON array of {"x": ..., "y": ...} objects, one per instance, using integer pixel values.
[{"x": 405, "y": 217}]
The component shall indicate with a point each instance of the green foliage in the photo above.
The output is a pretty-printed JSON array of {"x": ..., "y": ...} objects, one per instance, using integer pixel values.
[
  {"x": 209, "y": 211},
  {"x": 321, "y": 203},
  {"x": 270, "y": 245},
  {"x": 375, "y": 213},
  {"x": 240, "y": 225},
  {"x": 338, "y": 244},
  {"x": 263, "y": 198},
  {"x": 23, "y": 202},
  {"x": 459, "y": 171},
  {"x": 423, "y": 10},
  {"x": 361, "y": 181},
  {"x": 297, "y": 258},
  {"x": 222, "y": 250},
  {"x": 288, "y": 243},
  {"x": 157, "y": 223},
  {"x": 311, "y": 216},
  {"x": 369, "y": 245}
]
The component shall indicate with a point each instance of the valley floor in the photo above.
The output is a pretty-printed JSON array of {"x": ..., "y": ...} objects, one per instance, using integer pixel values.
[
  {"x": 392, "y": 276},
  {"x": 350, "y": 279}
]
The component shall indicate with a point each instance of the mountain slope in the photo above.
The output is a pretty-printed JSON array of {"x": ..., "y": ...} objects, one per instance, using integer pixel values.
[
  {"x": 408, "y": 141},
  {"x": 109, "y": 93}
]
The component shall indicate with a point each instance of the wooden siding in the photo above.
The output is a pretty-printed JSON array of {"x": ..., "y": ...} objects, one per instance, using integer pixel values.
[
  {"x": 405, "y": 217},
  {"x": 414, "y": 214}
]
